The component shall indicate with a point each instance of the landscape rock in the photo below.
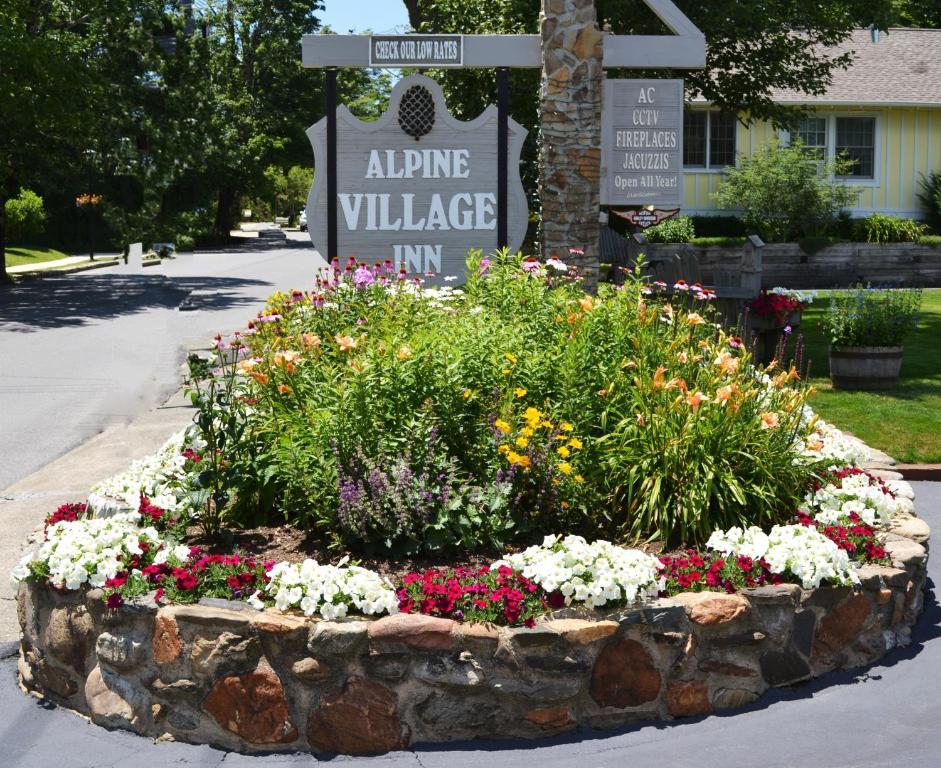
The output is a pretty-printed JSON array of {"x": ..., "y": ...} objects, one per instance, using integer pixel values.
[
  {"x": 416, "y": 630},
  {"x": 839, "y": 627},
  {"x": 583, "y": 632},
  {"x": 337, "y": 638},
  {"x": 550, "y": 718},
  {"x": 712, "y": 608},
  {"x": 624, "y": 675},
  {"x": 688, "y": 699},
  {"x": 227, "y": 652},
  {"x": 310, "y": 669},
  {"x": 119, "y": 651},
  {"x": 112, "y": 700},
  {"x": 68, "y": 635},
  {"x": 253, "y": 706},
  {"x": 359, "y": 718},
  {"x": 733, "y": 698},
  {"x": 167, "y": 644}
]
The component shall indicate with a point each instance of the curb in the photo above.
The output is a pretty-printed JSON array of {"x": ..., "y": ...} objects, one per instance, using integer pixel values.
[
  {"x": 930, "y": 472},
  {"x": 78, "y": 268}
]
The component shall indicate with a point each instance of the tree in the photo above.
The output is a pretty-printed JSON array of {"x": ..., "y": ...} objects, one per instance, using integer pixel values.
[
  {"x": 299, "y": 180},
  {"x": 25, "y": 215}
]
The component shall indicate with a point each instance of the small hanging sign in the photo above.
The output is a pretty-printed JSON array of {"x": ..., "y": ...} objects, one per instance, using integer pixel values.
[{"x": 646, "y": 217}]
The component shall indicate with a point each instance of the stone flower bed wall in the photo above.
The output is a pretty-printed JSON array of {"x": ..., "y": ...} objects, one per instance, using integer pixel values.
[{"x": 256, "y": 681}]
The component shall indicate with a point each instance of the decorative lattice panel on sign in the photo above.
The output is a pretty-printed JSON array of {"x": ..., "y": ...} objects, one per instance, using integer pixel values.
[{"x": 417, "y": 112}]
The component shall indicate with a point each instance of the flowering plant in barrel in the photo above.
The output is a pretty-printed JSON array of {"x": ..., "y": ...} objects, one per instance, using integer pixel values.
[{"x": 866, "y": 328}]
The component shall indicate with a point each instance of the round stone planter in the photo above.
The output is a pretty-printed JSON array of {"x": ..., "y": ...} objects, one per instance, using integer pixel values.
[
  {"x": 865, "y": 368},
  {"x": 225, "y": 674}
]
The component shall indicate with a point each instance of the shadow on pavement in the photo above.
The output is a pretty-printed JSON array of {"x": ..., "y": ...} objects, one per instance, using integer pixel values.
[{"x": 75, "y": 300}]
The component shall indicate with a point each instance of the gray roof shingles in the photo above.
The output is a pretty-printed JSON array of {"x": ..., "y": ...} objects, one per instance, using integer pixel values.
[{"x": 903, "y": 67}]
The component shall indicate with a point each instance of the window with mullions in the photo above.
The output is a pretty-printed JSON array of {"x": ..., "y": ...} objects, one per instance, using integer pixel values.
[
  {"x": 708, "y": 139},
  {"x": 856, "y": 141},
  {"x": 812, "y": 131}
]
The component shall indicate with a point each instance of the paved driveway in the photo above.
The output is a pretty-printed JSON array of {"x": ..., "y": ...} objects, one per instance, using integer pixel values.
[
  {"x": 82, "y": 352},
  {"x": 884, "y": 716}
]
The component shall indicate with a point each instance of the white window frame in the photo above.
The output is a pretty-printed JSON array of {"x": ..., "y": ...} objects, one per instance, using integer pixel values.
[
  {"x": 707, "y": 168},
  {"x": 830, "y": 155}
]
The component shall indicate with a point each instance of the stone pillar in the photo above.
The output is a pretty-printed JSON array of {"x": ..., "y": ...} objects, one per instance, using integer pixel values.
[{"x": 570, "y": 141}]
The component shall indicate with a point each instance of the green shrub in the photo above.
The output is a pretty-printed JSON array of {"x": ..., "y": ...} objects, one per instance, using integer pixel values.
[
  {"x": 932, "y": 240},
  {"x": 387, "y": 419},
  {"x": 872, "y": 317},
  {"x": 724, "y": 242},
  {"x": 879, "y": 228},
  {"x": 185, "y": 243},
  {"x": 676, "y": 230},
  {"x": 783, "y": 194},
  {"x": 25, "y": 215},
  {"x": 930, "y": 198}
]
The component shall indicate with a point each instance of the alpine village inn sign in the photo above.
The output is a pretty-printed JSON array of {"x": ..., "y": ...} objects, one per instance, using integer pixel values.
[{"x": 420, "y": 188}]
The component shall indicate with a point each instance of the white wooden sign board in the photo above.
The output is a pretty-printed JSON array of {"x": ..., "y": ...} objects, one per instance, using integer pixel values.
[
  {"x": 421, "y": 202},
  {"x": 642, "y": 143}
]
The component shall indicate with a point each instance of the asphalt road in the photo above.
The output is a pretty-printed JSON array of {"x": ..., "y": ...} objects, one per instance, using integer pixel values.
[
  {"x": 82, "y": 352},
  {"x": 884, "y": 716}
]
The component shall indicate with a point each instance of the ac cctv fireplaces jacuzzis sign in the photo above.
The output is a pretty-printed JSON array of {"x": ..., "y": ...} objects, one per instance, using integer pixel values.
[{"x": 417, "y": 186}]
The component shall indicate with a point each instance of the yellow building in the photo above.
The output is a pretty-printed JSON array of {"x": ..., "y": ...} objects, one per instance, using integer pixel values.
[{"x": 884, "y": 112}]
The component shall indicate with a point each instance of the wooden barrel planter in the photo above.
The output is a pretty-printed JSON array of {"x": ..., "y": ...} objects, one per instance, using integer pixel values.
[{"x": 867, "y": 368}]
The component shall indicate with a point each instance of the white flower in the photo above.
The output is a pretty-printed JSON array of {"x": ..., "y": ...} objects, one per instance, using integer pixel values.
[
  {"x": 595, "y": 573},
  {"x": 330, "y": 590},
  {"x": 798, "y": 550}
]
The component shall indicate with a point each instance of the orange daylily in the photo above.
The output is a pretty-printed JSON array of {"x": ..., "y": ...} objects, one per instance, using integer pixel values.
[
  {"x": 769, "y": 420},
  {"x": 346, "y": 343},
  {"x": 694, "y": 400}
]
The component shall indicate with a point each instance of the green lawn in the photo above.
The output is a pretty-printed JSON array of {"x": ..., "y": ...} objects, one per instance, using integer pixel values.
[
  {"x": 17, "y": 256},
  {"x": 905, "y": 423}
]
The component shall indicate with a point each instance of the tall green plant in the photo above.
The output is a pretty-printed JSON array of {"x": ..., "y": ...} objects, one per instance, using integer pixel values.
[{"x": 784, "y": 194}]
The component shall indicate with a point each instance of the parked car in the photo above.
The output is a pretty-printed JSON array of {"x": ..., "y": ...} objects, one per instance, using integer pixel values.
[{"x": 302, "y": 221}]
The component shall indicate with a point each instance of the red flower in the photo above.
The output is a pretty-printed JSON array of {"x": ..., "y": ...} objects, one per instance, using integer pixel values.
[{"x": 114, "y": 601}]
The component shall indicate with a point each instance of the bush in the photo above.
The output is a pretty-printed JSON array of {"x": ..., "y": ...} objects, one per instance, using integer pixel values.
[
  {"x": 395, "y": 420},
  {"x": 784, "y": 194},
  {"x": 930, "y": 198},
  {"x": 25, "y": 215},
  {"x": 879, "y": 228},
  {"x": 870, "y": 317},
  {"x": 676, "y": 230}
]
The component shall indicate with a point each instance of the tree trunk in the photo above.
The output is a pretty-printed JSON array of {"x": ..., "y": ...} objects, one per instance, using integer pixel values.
[
  {"x": 226, "y": 212},
  {"x": 415, "y": 15},
  {"x": 4, "y": 277}
]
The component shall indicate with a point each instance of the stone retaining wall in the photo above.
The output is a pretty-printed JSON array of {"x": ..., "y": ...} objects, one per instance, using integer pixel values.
[
  {"x": 256, "y": 681},
  {"x": 836, "y": 266}
]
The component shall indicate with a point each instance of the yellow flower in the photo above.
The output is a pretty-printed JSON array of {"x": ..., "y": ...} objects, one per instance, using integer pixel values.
[
  {"x": 579, "y": 479},
  {"x": 518, "y": 460},
  {"x": 506, "y": 371},
  {"x": 566, "y": 426},
  {"x": 563, "y": 451},
  {"x": 404, "y": 353},
  {"x": 519, "y": 392},
  {"x": 532, "y": 416},
  {"x": 502, "y": 425},
  {"x": 575, "y": 443},
  {"x": 467, "y": 394},
  {"x": 504, "y": 449},
  {"x": 545, "y": 424},
  {"x": 528, "y": 431},
  {"x": 565, "y": 468},
  {"x": 511, "y": 357},
  {"x": 563, "y": 438},
  {"x": 586, "y": 303},
  {"x": 521, "y": 442}
]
